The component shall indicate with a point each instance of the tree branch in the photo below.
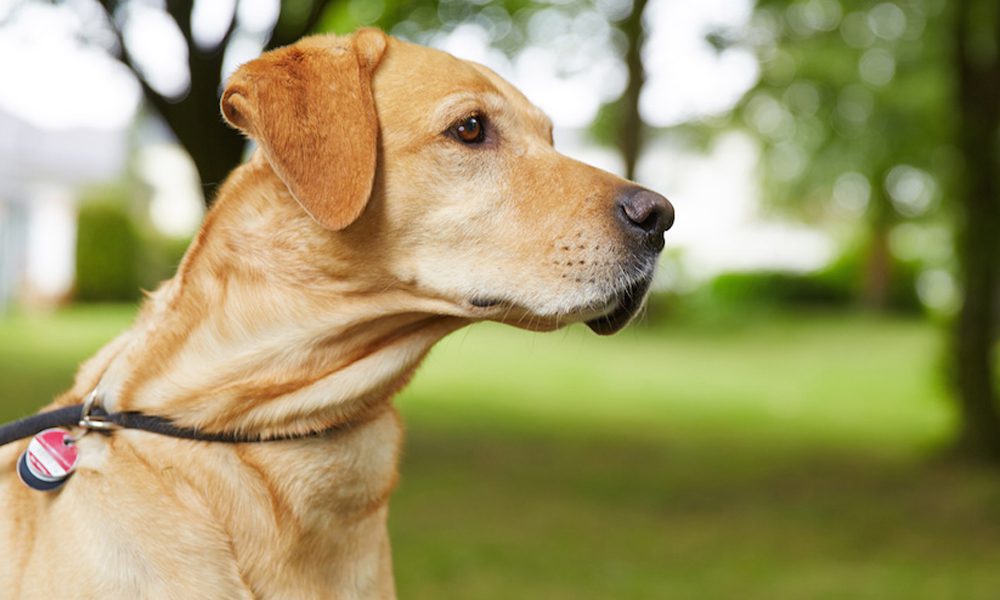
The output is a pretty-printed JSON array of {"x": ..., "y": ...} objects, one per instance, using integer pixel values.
[
  {"x": 282, "y": 36},
  {"x": 159, "y": 102}
]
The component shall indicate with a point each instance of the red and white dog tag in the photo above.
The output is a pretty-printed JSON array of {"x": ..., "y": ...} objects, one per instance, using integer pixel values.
[{"x": 49, "y": 460}]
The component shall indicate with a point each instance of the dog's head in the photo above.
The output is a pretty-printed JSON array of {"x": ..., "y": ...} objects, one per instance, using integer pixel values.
[{"x": 447, "y": 174}]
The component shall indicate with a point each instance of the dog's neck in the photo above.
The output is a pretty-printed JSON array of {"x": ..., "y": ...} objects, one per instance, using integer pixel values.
[{"x": 264, "y": 331}]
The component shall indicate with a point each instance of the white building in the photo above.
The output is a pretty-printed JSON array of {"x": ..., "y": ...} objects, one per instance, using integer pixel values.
[{"x": 40, "y": 169}]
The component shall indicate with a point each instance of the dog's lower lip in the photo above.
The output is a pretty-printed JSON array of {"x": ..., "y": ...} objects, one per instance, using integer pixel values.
[{"x": 628, "y": 303}]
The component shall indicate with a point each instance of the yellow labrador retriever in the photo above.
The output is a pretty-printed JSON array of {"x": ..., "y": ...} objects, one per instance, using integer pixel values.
[{"x": 397, "y": 194}]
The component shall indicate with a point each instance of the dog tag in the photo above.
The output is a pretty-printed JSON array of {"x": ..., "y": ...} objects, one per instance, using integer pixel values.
[{"x": 49, "y": 460}]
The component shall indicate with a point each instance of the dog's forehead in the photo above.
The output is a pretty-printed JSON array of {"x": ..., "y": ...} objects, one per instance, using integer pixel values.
[
  {"x": 417, "y": 70},
  {"x": 425, "y": 80}
]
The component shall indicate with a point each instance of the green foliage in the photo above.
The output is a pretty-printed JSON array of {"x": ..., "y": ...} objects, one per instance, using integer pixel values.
[
  {"x": 504, "y": 20},
  {"x": 849, "y": 86},
  {"x": 604, "y": 129},
  {"x": 780, "y": 289},
  {"x": 117, "y": 255},
  {"x": 160, "y": 257},
  {"x": 848, "y": 272},
  {"x": 107, "y": 247},
  {"x": 838, "y": 285}
]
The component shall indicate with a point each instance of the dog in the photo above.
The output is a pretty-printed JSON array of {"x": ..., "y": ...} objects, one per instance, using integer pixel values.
[{"x": 396, "y": 194}]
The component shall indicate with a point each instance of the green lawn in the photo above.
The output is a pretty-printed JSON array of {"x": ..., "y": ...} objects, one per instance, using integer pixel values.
[{"x": 775, "y": 458}]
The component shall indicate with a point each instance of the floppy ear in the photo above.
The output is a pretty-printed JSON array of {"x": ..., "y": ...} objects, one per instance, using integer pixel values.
[{"x": 309, "y": 106}]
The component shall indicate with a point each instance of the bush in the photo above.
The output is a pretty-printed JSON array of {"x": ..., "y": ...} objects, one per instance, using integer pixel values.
[
  {"x": 107, "y": 250},
  {"x": 839, "y": 285},
  {"x": 779, "y": 288},
  {"x": 849, "y": 270},
  {"x": 160, "y": 257},
  {"x": 118, "y": 256}
]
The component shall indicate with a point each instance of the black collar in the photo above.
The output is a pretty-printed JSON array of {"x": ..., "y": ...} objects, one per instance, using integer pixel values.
[{"x": 80, "y": 415}]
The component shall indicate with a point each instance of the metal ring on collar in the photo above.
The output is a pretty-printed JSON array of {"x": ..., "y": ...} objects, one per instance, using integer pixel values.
[{"x": 88, "y": 420}]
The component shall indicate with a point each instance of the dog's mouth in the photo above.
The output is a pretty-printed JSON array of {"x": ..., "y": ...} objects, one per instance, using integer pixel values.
[
  {"x": 626, "y": 304},
  {"x": 612, "y": 314}
]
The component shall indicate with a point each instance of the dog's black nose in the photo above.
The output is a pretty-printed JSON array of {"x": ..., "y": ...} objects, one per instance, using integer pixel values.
[{"x": 646, "y": 215}]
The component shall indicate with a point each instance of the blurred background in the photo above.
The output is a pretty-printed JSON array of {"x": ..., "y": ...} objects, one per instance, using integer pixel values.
[{"x": 808, "y": 407}]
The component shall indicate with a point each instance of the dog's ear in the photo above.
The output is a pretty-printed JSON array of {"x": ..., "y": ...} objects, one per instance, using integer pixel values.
[{"x": 310, "y": 108}]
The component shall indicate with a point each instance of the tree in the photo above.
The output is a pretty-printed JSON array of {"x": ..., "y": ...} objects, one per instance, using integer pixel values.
[
  {"x": 619, "y": 123},
  {"x": 194, "y": 118},
  {"x": 630, "y": 127},
  {"x": 976, "y": 57},
  {"x": 857, "y": 92},
  {"x": 852, "y": 101}
]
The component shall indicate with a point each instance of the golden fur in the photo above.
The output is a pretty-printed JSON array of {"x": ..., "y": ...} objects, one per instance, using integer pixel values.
[{"x": 356, "y": 237}]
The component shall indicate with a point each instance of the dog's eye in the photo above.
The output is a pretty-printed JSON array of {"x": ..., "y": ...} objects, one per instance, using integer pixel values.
[{"x": 470, "y": 130}]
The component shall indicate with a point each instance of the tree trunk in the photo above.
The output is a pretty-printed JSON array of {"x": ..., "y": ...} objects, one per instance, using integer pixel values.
[
  {"x": 978, "y": 91},
  {"x": 630, "y": 133},
  {"x": 878, "y": 269},
  {"x": 214, "y": 147}
]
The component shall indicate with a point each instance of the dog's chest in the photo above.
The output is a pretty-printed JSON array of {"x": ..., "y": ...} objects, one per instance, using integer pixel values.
[{"x": 148, "y": 514}]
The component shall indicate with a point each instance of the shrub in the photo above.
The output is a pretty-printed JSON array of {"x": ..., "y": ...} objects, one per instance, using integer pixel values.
[
  {"x": 838, "y": 285},
  {"x": 849, "y": 270},
  {"x": 107, "y": 250},
  {"x": 117, "y": 256},
  {"x": 160, "y": 257},
  {"x": 779, "y": 288}
]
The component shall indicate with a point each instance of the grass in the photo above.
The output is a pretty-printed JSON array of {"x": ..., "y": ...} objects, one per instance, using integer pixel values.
[
  {"x": 39, "y": 352},
  {"x": 788, "y": 457}
]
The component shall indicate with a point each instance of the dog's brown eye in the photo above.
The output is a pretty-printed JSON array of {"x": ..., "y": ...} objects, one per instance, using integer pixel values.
[{"x": 470, "y": 130}]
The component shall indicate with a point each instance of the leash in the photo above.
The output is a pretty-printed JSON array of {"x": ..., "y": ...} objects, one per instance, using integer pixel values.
[{"x": 52, "y": 454}]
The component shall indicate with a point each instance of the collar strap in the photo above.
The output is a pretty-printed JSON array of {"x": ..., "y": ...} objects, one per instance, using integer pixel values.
[{"x": 96, "y": 418}]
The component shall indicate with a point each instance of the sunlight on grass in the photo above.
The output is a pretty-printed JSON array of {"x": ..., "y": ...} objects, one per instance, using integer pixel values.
[{"x": 809, "y": 379}]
